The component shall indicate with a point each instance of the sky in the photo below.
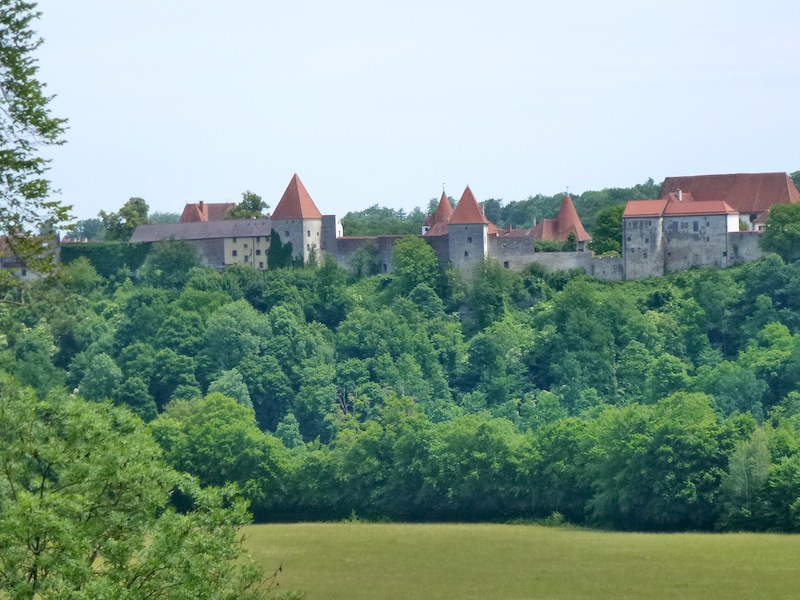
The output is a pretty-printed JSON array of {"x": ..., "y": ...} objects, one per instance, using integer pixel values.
[{"x": 372, "y": 102}]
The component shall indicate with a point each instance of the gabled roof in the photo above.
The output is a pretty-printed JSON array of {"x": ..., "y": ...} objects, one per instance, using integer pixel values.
[
  {"x": 745, "y": 192},
  {"x": 438, "y": 220},
  {"x": 468, "y": 211},
  {"x": 205, "y": 211},
  {"x": 296, "y": 203},
  {"x": 558, "y": 229},
  {"x": 205, "y": 230}
]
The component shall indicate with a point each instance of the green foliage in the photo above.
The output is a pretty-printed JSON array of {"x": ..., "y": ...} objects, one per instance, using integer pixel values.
[
  {"x": 26, "y": 126},
  {"x": 377, "y": 220},
  {"x": 413, "y": 263},
  {"x": 169, "y": 264},
  {"x": 607, "y": 231},
  {"x": 782, "y": 235},
  {"x": 251, "y": 207},
  {"x": 108, "y": 258},
  {"x": 85, "y": 498},
  {"x": 119, "y": 226}
]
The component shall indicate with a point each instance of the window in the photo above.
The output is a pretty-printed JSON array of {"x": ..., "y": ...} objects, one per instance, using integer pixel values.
[
  {"x": 234, "y": 240},
  {"x": 628, "y": 238},
  {"x": 308, "y": 247},
  {"x": 308, "y": 233},
  {"x": 245, "y": 245},
  {"x": 695, "y": 226},
  {"x": 258, "y": 239},
  {"x": 466, "y": 253},
  {"x": 258, "y": 251},
  {"x": 287, "y": 233},
  {"x": 725, "y": 253},
  {"x": 235, "y": 253},
  {"x": 645, "y": 254},
  {"x": 385, "y": 268},
  {"x": 506, "y": 265},
  {"x": 684, "y": 225},
  {"x": 260, "y": 265},
  {"x": 646, "y": 240},
  {"x": 469, "y": 240}
]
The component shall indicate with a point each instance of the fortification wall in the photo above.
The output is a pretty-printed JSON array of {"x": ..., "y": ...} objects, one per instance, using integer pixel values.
[
  {"x": 514, "y": 253},
  {"x": 348, "y": 250},
  {"x": 744, "y": 246}
]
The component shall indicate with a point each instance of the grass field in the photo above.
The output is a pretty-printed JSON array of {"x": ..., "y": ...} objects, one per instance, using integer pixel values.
[{"x": 508, "y": 562}]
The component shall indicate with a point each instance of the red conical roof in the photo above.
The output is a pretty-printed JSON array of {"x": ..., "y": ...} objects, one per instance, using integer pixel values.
[
  {"x": 468, "y": 211},
  {"x": 558, "y": 229},
  {"x": 296, "y": 203},
  {"x": 444, "y": 212}
]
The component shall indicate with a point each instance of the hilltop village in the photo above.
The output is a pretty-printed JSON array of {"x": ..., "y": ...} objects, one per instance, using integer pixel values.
[{"x": 699, "y": 221}]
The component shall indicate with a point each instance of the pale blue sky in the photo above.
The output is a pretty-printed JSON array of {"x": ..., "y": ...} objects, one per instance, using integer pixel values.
[{"x": 375, "y": 102}]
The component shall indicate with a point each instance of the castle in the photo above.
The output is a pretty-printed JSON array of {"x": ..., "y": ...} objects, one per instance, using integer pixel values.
[{"x": 699, "y": 221}]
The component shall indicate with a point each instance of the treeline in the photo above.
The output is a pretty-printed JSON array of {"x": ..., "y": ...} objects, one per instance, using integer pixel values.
[
  {"x": 377, "y": 220},
  {"x": 663, "y": 404}
]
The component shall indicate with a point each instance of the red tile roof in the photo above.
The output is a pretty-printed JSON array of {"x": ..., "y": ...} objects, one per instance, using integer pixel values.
[
  {"x": 203, "y": 212},
  {"x": 748, "y": 193},
  {"x": 558, "y": 229},
  {"x": 669, "y": 207},
  {"x": 710, "y": 207},
  {"x": 296, "y": 203},
  {"x": 438, "y": 221},
  {"x": 645, "y": 208},
  {"x": 468, "y": 211}
]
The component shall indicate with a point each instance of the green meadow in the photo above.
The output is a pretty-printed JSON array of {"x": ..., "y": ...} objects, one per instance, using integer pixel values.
[{"x": 462, "y": 561}]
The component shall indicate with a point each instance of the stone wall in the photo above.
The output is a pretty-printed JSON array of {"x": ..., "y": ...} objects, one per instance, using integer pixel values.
[
  {"x": 695, "y": 241},
  {"x": 212, "y": 252},
  {"x": 642, "y": 248},
  {"x": 347, "y": 251},
  {"x": 744, "y": 246}
]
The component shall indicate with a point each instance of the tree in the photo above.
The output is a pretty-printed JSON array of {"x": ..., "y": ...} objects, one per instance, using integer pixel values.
[
  {"x": 782, "y": 235},
  {"x": 91, "y": 230},
  {"x": 85, "y": 498},
  {"x": 251, "y": 207},
  {"x": 25, "y": 126},
  {"x": 169, "y": 263},
  {"x": 414, "y": 262},
  {"x": 120, "y": 225},
  {"x": 165, "y": 217},
  {"x": 607, "y": 231}
]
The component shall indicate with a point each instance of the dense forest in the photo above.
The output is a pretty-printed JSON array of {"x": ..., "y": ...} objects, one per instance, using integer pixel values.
[{"x": 665, "y": 404}]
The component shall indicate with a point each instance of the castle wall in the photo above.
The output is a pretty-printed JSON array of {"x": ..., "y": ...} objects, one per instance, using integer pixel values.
[
  {"x": 347, "y": 251},
  {"x": 696, "y": 241},
  {"x": 331, "y": 231},
  {"x": 744, "y": 246},
  {"x": 212, "y": 252},
  {"x": 441, "y": 246},
  {"x": 514, "y": 252},
  {"x": 642, "y": 248}
]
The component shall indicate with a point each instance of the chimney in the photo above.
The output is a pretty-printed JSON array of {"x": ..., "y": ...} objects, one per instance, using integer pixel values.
[{"x": 680, "y": 195}]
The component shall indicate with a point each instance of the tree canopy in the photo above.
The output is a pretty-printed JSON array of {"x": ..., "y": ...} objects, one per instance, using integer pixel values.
[{"x": 26, "y": 126}]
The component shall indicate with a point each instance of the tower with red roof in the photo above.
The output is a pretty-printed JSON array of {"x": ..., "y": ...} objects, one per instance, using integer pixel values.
[
  {"x": 297, "y": 221},
  {"x": 468, "y": 233}
]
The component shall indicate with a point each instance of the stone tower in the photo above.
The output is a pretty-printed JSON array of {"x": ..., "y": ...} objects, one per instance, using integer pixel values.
[
  {"x": 297, "y": 220},
  {"x": 468, "y": 231}
]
